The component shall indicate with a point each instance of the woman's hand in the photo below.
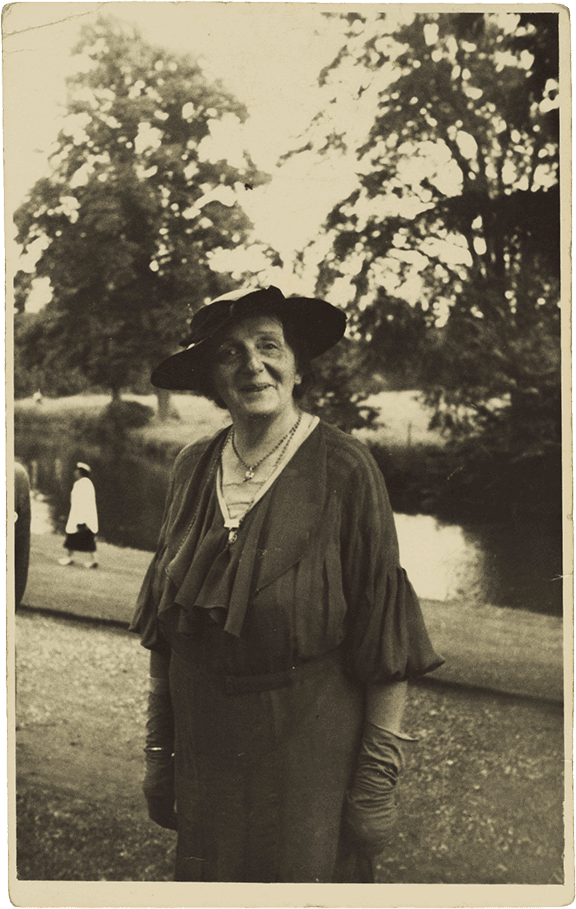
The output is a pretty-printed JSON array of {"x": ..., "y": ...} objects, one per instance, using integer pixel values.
[
  {"x": 158, "y": 784},
  {"x": 158, "y": 787},
  {"x": 371, "y": 802}
]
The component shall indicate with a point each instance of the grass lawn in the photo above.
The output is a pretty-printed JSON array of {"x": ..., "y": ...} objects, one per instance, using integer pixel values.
[
  {"x": 403, "y": 419},
  {"x": 506, "y": 649}
]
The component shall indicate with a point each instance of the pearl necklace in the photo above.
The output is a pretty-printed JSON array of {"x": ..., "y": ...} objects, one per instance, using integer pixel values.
[{"x": 251, "y": 470}]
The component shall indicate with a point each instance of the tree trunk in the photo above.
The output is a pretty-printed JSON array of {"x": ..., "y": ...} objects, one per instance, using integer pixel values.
[{"x": 163, "y": 397}]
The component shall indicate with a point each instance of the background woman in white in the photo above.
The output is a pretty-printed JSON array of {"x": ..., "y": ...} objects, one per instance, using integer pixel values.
[{"x": 82, "y": 524}]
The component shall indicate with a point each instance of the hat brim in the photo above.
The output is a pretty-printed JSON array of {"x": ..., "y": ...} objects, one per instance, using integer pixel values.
[{"x": 317, "y": 322}]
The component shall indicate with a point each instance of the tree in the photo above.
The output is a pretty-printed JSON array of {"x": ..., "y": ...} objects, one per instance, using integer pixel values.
[
  {"x": 456, "y": 213},
  {"x": 341, "y": 386},
  {"x": 134, "y": 211}
]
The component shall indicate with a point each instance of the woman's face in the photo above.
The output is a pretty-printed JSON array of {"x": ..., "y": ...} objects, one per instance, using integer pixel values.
[{"x": 255, "y": 369}]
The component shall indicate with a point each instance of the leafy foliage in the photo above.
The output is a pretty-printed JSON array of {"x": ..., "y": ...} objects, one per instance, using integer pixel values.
[
  {"x": 451, "y": 241},
  {"x": 37, "y": 362},
  {"x": 341, "y": 387},
  {"x": 134, "y": 211}
]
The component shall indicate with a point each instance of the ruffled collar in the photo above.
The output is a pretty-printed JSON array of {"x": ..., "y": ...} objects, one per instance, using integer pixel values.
[{"x": 275, "y": 535}]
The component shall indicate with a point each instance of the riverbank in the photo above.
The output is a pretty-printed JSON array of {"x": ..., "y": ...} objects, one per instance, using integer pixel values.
[
  {"x": 490, "y": 647},
  {"x": 498, "y": 560},
  {"x": 503, "y": 650}
]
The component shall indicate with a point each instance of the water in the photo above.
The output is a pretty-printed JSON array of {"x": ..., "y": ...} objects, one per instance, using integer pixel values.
[{"x": 517, "y": 566}]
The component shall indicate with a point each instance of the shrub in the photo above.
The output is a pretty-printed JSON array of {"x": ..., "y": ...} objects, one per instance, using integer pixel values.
[{"x": 128, "y": 414}]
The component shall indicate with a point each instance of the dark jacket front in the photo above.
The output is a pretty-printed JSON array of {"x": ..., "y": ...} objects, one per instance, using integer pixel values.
[{"x": 316, "y": 566}]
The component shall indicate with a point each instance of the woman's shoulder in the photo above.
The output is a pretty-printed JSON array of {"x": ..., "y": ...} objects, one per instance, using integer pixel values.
[
  {"x": 352, "y": 473},
  {"x": 192, "y": 453},
  {"x": 345, "y": 452}
]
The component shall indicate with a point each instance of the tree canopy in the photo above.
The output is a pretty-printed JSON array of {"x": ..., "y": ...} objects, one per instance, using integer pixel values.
[
  {"x": 137, "y": 205},
  {"x": 457, "y": 205},
  {"x": 451, "y": 241}
]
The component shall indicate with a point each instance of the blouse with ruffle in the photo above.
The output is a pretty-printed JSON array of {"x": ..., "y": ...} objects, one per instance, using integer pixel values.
[{"x": 315, "y": 567}]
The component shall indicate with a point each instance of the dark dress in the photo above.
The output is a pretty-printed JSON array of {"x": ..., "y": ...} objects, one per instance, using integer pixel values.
[
  {"x": 81, "y": 541},
  {"x": 271, "y": 642}
]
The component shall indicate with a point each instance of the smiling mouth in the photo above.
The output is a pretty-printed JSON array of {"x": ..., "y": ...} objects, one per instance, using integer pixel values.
[{"x": 251, "y": 388}]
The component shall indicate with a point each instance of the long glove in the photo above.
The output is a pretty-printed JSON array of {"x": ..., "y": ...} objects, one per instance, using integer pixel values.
[
  {"x": 158, "y": 784},
  {"x": 371, "y": 802}
]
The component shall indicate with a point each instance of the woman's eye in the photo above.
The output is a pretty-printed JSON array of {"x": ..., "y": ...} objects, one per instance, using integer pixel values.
[{"x": 227, "y": 353}]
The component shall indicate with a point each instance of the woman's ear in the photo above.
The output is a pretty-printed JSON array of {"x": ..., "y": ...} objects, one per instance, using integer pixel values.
[{"x": 297, "y": 379}]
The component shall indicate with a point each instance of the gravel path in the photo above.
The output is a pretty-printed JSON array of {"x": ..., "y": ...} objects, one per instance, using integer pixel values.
[{"x": 482, "y": 793}]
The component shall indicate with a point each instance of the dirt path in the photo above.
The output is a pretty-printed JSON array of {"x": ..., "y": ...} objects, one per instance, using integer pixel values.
[
  {"x": 481, "y": 797},
  {"x": 81, "y": 697},
  {"x": 80, "y": 708}
]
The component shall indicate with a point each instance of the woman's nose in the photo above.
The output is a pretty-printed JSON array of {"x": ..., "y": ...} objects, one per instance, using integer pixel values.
[{"x": 253, "y": 361}]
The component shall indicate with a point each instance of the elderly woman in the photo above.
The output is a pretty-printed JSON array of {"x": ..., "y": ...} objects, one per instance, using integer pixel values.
[{"x": 281, "y": 626}]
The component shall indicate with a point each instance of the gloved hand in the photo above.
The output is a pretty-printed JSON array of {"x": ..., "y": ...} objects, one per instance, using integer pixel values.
[
  {"x": 371, "y": 803},
  {"x": 158, "y": 784}
]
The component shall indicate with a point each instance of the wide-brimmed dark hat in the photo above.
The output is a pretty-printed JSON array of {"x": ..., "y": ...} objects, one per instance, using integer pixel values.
[{"x": 319, "y": 324}]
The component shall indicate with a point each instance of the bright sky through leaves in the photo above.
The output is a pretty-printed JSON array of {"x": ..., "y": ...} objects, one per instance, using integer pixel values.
[{"x": 268, "y": 55}]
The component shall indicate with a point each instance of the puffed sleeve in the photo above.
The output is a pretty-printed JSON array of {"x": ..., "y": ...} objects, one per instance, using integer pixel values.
[
  {"x": 388, "y": 640},
  {"x": 187, "y": 481},
  {"x": 144, "y": 619}
]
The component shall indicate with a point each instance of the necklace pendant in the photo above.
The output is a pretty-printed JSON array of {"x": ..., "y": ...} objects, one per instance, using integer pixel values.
[
  {"x": 249, "y": 475},
  {"x": 232, "y": 537}
]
